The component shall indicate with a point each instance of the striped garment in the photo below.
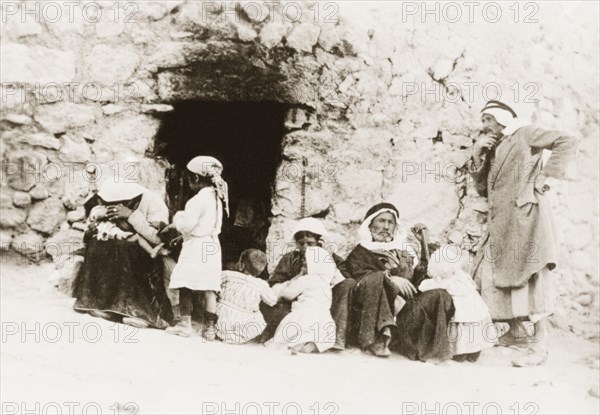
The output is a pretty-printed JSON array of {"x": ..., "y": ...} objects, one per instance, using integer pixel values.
[{"x": 240, "y": 319}]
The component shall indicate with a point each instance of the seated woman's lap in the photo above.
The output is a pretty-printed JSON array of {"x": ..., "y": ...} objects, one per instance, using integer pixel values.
[
  {"x": 422, "y": 326},
  {"x": 118, "y": 276}
]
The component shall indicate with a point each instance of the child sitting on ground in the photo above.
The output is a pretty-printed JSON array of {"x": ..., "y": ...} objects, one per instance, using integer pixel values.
[
  {"x": 471, "y": 329},
  {"x": 309, "y": 327},
  {"x": 121, "y": 229},
  {"x": 239, "y": 316}
]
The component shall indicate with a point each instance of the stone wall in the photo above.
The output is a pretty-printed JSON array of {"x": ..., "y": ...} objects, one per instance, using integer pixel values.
[{"x": 384, "y": 104}]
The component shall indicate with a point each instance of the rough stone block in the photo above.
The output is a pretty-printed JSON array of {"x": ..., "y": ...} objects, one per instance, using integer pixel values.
[
  {"x": 35, "y": 64},
  {"x": 46, "y": 216}
]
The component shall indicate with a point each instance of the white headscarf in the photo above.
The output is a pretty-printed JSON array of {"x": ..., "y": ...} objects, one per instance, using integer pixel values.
[
  {"x": 211, "y": 167},
  {"x": 311, "y": 225},
  {"x": 398, "y": 239},
  {"x": 115, "y": 191},
  {"x": 505, "y": 116}
]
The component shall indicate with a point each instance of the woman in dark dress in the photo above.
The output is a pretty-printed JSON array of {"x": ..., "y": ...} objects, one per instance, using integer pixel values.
[
  {"x": 389, "y": 313},
  {"x": 118, "y": 280}
]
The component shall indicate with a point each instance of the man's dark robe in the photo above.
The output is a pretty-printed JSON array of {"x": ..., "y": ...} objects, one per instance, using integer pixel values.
[
  {"x": 288, "y": 267},
  {"x": 419, "y": 331}
]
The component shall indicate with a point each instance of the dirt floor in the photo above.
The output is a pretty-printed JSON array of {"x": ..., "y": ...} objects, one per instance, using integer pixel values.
[{"x": 55, "y": 360}]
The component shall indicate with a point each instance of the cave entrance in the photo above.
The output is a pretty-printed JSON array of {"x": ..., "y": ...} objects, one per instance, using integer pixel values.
[{"x": 246, "y": 138}]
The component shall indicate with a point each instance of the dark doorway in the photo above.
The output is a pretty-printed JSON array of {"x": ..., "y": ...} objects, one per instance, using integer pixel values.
[{"x": 246, "y": 138}]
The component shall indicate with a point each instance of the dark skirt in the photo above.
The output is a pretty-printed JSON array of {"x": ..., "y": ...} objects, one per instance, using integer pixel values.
[
  {"x": 372, "y": 308},
  {"x": 118, "y": 276},
  {"x": 422, "y": 327}
]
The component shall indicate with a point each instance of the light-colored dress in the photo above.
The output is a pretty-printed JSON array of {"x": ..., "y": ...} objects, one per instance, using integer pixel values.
[
  {"x": 240, "y": 319},
  {"x": 199, "y": 264},
  {"x": 471, "y": 329},
  {"x": 310, "y": 320}
]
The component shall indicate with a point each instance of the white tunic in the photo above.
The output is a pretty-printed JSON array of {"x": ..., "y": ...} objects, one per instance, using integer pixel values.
[
  {"x": 199, "y": 264},
  {"x": 310, "y": 320}
]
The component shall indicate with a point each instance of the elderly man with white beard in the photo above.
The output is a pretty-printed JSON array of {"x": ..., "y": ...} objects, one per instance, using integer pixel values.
[{"x": 389, "y": 313}]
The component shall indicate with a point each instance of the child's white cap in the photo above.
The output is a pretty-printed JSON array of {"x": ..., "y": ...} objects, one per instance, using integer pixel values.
[
  {"x": 205, "y": 166},
  {"x": 311, "y": 225}
]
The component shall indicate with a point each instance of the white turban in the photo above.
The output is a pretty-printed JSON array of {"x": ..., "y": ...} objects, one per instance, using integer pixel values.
[
  {"x": 504, "y": 115},
  {"x": 311, "y": 225}
]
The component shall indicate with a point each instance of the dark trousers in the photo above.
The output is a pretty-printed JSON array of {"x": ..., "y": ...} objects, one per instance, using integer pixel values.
[
  {"x": 341, "y": 306},
  {"x": 372, "y": 308}
]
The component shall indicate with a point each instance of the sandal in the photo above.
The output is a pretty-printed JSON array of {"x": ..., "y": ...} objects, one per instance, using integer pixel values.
[{"x": 379, "y": 348}]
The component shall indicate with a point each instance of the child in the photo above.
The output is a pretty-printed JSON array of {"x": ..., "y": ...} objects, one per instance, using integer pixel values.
[
  {"x": 239, "y": 316},
  {"x": 309, "y": 327},
  {"x": 471, "y": 329},
  {"x": 107, "y": 229},
  {"x": 199, "y": 264}
]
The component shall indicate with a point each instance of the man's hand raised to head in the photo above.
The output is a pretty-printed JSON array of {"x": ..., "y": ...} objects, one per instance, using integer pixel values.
[{"x": 484, "y": 143}]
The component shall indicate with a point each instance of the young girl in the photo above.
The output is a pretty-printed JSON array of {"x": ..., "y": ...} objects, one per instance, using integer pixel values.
[
  {"x": 199, "y": 264},
  {"x": 240, "y": 319},
  {"x": 309, "y": 327},
  {"x": 471, "y": 329}
]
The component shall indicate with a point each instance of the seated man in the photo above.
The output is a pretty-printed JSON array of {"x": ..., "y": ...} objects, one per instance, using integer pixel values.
[
  {"x": 385, "y": 268},
  {"x": 308, "y": 232}
]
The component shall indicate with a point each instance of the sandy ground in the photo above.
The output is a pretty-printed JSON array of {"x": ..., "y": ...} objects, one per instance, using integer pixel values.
[{"x": 57, "y": 361}]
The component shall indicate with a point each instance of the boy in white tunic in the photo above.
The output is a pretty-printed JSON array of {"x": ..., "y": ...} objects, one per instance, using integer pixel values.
[{"x": 199, "y": 264}]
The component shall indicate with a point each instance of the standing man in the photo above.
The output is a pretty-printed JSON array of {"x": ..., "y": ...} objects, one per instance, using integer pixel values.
[{"x": 519, "y": 251}]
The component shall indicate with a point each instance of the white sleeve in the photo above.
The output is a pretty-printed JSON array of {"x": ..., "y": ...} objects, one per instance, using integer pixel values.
[{"x": 186, "y": 220}]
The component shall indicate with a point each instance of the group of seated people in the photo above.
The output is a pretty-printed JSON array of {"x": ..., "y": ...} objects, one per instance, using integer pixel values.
[{"x": 384, "y": 297}]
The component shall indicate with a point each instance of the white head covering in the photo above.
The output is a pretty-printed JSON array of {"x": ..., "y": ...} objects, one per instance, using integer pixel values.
[
  {"x": 366, "y": 239},
  {"x": 211, "y": 167},
  {"x": 310, "y": 225},
  {"x": 112, "y": 191},
  {"x": 205, "y": 166},
  {"x": 504, "y": 115},
  {"x": 398, "y": 239}
]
